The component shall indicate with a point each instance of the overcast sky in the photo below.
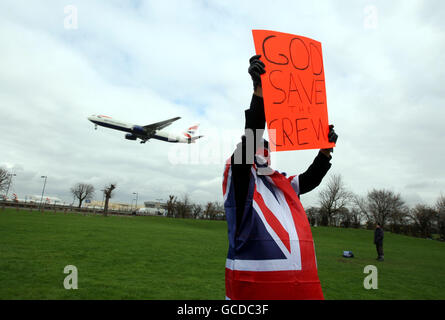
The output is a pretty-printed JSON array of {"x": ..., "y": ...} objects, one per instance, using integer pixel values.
[{"x": 147, "y": 61}]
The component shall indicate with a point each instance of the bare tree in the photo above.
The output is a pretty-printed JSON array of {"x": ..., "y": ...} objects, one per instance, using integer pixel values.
[
  {"x": 351, "y": 217},
  {"x": 171, "y": 203},
  {"x": 356, "y": 217},
  {"x": 4, "y": 179},
  {"x": 345, "y": 216},
  {"x": 218, "y": 209},
  {"x": 108, "y": 192},
  {"x": 209, "y": 211},
  {"x": 381, "y": 204},
  {"x": 82, "y": 191},
  {"x": 183, "y": 207},
  {"x": 333, "y": 199},
  {"x": 196, "y": 210},
  {"x": 440, "y": 207},
  {"x": 424, "y": 218},
  {"x": 399, "y": 219},
  {"x": 312, "y": 215},
  {"x": 360, "y": 206}
]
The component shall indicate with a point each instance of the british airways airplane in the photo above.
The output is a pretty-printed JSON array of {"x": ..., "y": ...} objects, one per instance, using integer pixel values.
[{"x": 145, "y": 133}]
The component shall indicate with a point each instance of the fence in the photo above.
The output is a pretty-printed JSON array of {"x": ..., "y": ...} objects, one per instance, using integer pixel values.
[{"x": 33, "y": 206}]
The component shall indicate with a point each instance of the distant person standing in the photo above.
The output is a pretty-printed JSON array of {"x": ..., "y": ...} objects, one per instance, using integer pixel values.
[{"x": 378, "y": 241}]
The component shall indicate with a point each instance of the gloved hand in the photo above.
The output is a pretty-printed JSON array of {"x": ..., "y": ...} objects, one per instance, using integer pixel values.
[
  {"x": 256, "y": 69},
  {"x": 332, "y": 137}
]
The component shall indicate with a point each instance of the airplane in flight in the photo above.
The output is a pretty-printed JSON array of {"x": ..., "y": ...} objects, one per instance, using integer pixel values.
[{"x": 145, "y": 133}]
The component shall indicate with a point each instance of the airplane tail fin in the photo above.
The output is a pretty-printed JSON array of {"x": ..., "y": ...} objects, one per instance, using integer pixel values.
[{"x": 190, "y": 133}]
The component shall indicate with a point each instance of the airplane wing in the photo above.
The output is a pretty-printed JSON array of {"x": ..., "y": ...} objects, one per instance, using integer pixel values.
[{"x": 160, "y": 125}]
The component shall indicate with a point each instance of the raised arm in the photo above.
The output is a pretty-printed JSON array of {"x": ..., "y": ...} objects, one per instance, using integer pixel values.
[{"x": 255, "y": 122}]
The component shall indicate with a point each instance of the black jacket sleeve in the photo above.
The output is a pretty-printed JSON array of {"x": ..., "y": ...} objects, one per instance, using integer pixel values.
[
  {"x": 312, "y": 177},
  {"x": 243, "y": 157}
]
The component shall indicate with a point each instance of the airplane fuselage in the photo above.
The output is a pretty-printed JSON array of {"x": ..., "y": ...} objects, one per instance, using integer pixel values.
[{"x": 135, "y": 132}]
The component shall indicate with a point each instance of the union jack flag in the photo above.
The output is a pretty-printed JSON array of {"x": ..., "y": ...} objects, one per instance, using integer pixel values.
[{"x": 272, "y": 255}]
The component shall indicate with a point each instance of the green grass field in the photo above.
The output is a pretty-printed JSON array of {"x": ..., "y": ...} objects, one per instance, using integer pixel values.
[{"x": 162, "y": 258}]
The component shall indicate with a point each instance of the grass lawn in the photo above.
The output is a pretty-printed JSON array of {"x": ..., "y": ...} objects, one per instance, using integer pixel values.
[{"x": 162, "y": 258}]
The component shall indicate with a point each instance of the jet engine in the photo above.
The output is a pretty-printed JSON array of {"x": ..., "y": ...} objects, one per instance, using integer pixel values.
[
  {"x": 139, "y": 130},
  {"x": 130, "y": 136}
]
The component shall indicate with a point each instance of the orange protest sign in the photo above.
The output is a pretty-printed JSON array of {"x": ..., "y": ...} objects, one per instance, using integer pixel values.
[{"x": 293, "y": 91}]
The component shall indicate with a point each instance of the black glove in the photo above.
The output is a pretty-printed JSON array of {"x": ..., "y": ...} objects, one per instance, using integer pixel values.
[
  {"x": 332, "y": 136},
  {"x": 256, "y": 69}
]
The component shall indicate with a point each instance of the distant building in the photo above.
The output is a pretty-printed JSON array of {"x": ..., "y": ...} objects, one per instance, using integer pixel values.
[
  {"x": 155, "y": 204},
  {"x": 46, "y": 199},
  {"x": 119, "y": 206},
  {"x": 153, "y": 208},
  {"x": 148, "y": 208}
]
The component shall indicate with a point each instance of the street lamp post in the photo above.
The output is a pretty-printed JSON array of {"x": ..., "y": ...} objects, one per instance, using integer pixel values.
[
  {"x": 9, "y": 184},
  {"x": 136, "y": 200},
  {"x": 103, "y": 199},
  {"x": 43, "y": 191}
]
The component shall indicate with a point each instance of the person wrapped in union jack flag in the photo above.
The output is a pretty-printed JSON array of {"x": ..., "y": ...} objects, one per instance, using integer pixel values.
[{"x": 271, "y": 251}]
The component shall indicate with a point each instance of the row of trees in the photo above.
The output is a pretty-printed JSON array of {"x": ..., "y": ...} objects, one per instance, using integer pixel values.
[
  {"x": 184, "y": 208},
  {"x": 340, "y": 207},
  {"x": 176, "y": 208}
]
